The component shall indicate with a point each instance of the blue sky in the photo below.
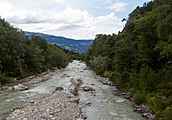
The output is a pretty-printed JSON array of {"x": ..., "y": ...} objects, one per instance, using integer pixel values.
[{"x": 78, "y": 19}]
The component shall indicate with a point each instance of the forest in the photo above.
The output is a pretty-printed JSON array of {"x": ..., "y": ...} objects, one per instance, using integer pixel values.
[
  {"x": 139, "y": 58},
  {"x": 21, "y": 57}
]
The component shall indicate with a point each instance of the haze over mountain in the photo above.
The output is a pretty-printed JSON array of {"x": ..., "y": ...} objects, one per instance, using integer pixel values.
[{"x": 78, "y": 46}]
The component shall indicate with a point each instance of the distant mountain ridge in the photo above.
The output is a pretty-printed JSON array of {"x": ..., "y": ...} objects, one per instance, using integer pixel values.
[{"x": 78, "y": 46}]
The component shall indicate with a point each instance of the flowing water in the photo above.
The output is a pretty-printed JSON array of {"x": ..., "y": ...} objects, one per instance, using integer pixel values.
[{"x": 104, "y": 106}]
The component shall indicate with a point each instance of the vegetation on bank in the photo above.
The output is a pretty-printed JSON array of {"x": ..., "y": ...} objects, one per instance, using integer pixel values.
[
  {"x": 73, "y": 56},
  {"x": 139, "y": 59},
  {"x": 21, "y": 57}
]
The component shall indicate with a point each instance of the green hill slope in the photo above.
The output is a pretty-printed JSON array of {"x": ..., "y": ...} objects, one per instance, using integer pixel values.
[
  {"x": 21, "y": 57},
  {"x": 139, "y": 59}
]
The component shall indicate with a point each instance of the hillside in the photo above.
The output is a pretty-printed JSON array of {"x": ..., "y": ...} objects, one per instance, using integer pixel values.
[
  {"x": 78, "y": 46},
  {"x": 21, "y": 57},
  {"x": 139, "y": 59}
]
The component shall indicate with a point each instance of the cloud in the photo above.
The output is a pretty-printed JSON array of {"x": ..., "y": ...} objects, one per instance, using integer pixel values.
[
  {"x": 68, "y": 15},
  {"x": 117, "y": 7},
  {"x": 60, "y": 1},
  {"x": 5, "y": 7},
  {"x": 70, "y": 22},
  {"x": 74, "y": 23}
]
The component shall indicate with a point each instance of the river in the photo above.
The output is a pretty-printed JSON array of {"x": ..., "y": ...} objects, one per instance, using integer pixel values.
[{"x": 106, "y": 105}]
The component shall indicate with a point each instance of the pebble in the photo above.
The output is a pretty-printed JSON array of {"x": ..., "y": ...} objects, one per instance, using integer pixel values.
[{"x": 53, "y": 107}]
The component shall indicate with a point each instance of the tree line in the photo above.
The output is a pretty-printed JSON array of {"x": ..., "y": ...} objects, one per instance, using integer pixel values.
[
  {"x": 139, "y": 59},
  {"x": 21, "y": 57}
]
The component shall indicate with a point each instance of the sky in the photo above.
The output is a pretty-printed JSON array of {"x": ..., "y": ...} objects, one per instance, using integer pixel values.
[{"x": 77, "y": 19}]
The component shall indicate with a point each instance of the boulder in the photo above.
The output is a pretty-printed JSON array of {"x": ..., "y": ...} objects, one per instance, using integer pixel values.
[
  {"x": 83, "y": 115},
  {"x": 87, "y": 103},
  {"x": 145, "y": 109},
  {"x": 76, "y": 100},
  {"x": 106, "y": 82},
  {"x": 75, "y": 92},
  {"x": 59, "y": 88},
  {"x": 149, "y": 116},
  {"x": 20, "y": 87},
  {"x": 87, "y": 88},
  {"x": 126, "y": 95},
  {"x": 10, "y": 88}
]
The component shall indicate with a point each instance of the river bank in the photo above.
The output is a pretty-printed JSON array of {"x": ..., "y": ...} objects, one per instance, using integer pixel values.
[
  {"x": 30, "y": 81},
  {"x": 57, "y": 106},
  {"x": 95, "y": 100}
]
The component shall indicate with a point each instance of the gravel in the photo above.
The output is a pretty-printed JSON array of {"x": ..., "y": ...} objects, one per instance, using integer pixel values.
[{"x": 57, "y": 106}]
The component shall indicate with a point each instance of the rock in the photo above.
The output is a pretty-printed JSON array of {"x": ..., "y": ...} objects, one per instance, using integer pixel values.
[
  {"x": 4, "y": 88},
  {"x": 10, "y": 88},
  {"x": 76, "y": 100},
  {"x": 20, "y": 87},
  {"x": 65, "y": 75},
  {"x": 86, "y": 68},
  {"x": 71, "y": 79},
  {"x": 145, "y": 109},
  {"x": 87, "y": 88},
  {"x": 75, "y": 92},
  {"x": 83, "y": 115},
  {"x": 31, "y": 77},
  {"x": 59, "y": 88},
  {"x": 106, "y": 82},
  {"x": 93, "y": 93},
  {"x": 25, "y": 119},
  {"x": 76, "y": 84},
  {"x": 87, "y": 103},
  {"x": 32, "y": 101},
  {"x": 51, "y": 113},
  {"x": 137, "y": 110},
  {"x": 15, "y": 79},
  {"x": 149, "y": 116},
  {"x": 126, "y": 95},
  {"x": 69, "y": 96},
  {"x": 79, "y": 119}
]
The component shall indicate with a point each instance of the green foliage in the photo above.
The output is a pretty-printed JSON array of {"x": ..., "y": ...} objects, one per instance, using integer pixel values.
[
  {"x": 4, "y": 79},
  {"x": 99, "y": 64},
  {"x": 139, "y": 96},
  {"x": 55, "y": 57},
  {"x": 167, "y": 114},
  {"x": 108, "y": 74},
  {"x": 139, "y": 59},
  {"x": 21, "y": 57}
]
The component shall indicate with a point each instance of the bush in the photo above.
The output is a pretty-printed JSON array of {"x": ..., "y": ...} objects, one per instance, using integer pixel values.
[
  {"x": 108, "y": 74},
  {"x": 157, "y": 105},
  {"x": 167, "y": 114},
  {"x": 139, "y": 96},
  {"x": 4, "y": 79}
]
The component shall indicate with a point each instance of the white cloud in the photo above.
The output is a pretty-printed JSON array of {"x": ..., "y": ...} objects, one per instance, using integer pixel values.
[
  {"x": 118, "y": 7},
  {"x": 5, "y": 7},
  {"x": 107, "y": 2},
  {"x": 60, "y": 1},
  {"x": 69, "y": 22}
]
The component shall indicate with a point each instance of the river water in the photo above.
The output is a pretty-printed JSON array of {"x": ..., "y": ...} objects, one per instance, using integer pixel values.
[{"x": 104, "y": 106}]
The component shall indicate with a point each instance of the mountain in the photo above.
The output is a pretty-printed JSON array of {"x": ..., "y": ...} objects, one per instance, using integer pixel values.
[{"x": 78, "y": 46}]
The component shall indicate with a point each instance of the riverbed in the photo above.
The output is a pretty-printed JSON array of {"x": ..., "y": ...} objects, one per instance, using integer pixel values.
[{"x": 104, "y": 104}]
